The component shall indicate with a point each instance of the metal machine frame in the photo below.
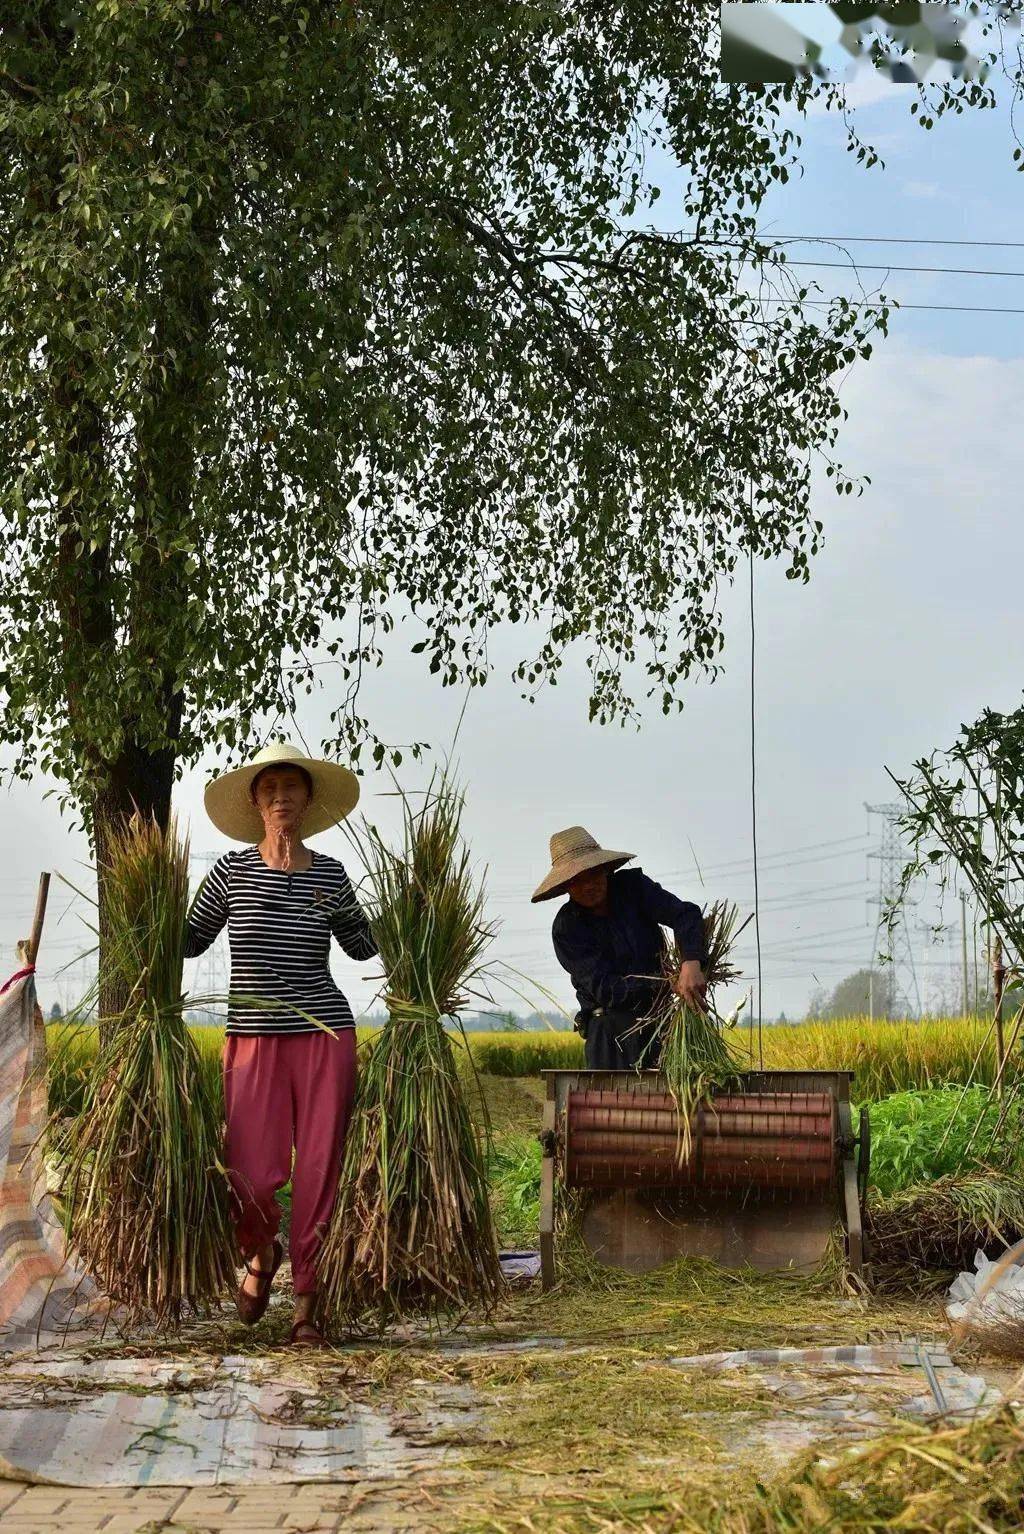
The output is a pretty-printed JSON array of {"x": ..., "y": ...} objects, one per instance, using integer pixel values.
[{"x": 852, "y": 1152}]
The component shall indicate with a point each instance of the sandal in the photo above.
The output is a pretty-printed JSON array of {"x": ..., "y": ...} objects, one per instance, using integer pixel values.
[
  {"x": 251, "y": 1307},
  {"x": 317, "y": 1340}
]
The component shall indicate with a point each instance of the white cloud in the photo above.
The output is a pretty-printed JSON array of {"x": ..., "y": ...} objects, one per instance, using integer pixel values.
[{"x": 926, "y": 189}]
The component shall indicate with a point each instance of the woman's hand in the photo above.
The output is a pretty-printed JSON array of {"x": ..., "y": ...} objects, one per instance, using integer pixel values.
[{"x": 691, "y": 985}]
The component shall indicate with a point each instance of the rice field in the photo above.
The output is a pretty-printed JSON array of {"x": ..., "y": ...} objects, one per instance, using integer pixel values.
[
  {"x": 923, "y": 1134},
  {"x": 886, "y": 1056}
]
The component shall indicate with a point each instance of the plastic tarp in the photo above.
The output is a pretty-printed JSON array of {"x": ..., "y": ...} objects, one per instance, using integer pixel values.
[
  {"x": 203, "y": 1422},
  {"x": 43, "y": 1297},
  {"x": 992, "y": 1295}
]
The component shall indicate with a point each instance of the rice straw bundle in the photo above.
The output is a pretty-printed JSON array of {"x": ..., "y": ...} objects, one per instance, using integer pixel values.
[
  {"x": 412, "y": 1229},
  {"x": 942, "y": 1224},
  {"x": 695, "y": 1055},
  {"x": 145, "y": 1194}
]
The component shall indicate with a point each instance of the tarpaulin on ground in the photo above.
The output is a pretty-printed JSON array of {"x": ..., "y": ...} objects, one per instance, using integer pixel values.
[
  {"x": 42, "y": 1295},
  {"x": 953, "y": 1394},
  {"x": 205, "y": 1422}
]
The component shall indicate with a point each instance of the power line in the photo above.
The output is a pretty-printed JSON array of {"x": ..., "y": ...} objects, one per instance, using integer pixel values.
[
  {"x": 855, "y": 303},
  {"x": 872, "y": 266},
  {"x": 870, "y": 239},
  {"x": 753, "y": 813},
  {"x": 787, "y": 855}
]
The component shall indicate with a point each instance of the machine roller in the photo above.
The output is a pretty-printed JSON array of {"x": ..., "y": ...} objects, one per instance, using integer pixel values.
[{"x": 774, "y": 1167}]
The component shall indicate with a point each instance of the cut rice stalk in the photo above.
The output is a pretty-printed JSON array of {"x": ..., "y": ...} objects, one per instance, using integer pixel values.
[
  {"x": 144, "y": 1192},
  {"x": 696, "y": 1058},
  {"x": 412, "y": 1229}
]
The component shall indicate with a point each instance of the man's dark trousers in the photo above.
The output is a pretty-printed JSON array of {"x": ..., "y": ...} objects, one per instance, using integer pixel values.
[{"x": 614, "y": 1042}]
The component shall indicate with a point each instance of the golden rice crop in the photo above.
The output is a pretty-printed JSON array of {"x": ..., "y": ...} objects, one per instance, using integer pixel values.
[{"x": 888, "y": 1055}]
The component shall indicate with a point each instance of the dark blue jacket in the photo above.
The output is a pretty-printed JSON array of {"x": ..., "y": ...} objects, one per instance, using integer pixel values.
[{"x": 615, "y": 960}]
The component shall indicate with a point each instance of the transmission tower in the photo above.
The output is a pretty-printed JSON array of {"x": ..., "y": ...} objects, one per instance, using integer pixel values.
[
  {"x": 890, "y": 855},
  {"x": 209, "y": 976}
]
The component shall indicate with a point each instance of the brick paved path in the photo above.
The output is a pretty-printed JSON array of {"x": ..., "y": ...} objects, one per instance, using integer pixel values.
[{"x": 304, "y": 1509}]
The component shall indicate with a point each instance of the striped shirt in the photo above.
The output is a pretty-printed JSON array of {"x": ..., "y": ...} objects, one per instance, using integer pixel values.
[{"x": 280, "y": 926}]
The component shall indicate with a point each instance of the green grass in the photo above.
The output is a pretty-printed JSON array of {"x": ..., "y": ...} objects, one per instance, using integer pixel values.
[
  {"x": 918, "y": 1136},
  {"x": 513, "y": 1172}
]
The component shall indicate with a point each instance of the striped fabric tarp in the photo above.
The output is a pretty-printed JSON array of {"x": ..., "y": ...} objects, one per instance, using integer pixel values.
[
  {"x": 43, "y": 1297},
  {"x": 205, "y": 1422}
]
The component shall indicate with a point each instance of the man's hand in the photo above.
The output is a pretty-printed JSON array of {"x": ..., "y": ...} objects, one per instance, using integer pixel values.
[{"x": 691, "y": 985}]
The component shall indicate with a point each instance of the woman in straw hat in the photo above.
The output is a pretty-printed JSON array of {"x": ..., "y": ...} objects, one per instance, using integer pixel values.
[
  {"x": 608, "y": 935},
  {"x": 290, "y": 1053}
]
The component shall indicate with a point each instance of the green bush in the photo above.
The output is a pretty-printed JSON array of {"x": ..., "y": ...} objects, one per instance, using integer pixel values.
[
  {"x": 922, "y": 1135},
  {"x": 513, "y": 1172}
]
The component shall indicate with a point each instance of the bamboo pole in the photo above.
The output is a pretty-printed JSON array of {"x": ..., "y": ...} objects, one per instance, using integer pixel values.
[
  {"x": 28, "y": 948},
  {"x": 963, "y": 940},
  {"x": 998, "y": 980}
]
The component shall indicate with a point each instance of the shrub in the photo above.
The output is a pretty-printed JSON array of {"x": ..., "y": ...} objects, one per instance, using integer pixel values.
[{"x": 919, "y": 1136}]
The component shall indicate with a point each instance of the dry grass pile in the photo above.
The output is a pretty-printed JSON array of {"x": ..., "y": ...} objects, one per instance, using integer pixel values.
[
  {"x": 961, "y": 1479},
  {"x": 412, "y": 1230},
  {"x": 943, "y": 1223},
  {"x": 144, "y": 1193},
  {"x": 945, "y": 1479}
]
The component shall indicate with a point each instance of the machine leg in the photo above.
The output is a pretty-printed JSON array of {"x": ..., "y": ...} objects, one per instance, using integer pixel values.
[
  {"x": 851, "y": 1193},
  {"x": 547, "y": 1198}
]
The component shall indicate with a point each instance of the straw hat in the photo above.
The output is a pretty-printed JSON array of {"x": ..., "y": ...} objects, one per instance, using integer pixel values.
[
  {"x": 230, "y": 807},
  {"x": 574, "y": 852}
]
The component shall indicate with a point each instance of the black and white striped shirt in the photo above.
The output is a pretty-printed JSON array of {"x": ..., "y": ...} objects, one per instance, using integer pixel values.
[{"x": 280, "y": 926}]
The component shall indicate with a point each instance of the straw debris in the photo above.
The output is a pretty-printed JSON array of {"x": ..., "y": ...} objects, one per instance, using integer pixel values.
[{"x": 942, "y": 1224}]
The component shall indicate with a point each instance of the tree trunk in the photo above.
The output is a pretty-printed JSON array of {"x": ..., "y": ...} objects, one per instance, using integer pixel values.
[
  {"x": 138, "y": 780},
  {"x": 105, "y": 624}
]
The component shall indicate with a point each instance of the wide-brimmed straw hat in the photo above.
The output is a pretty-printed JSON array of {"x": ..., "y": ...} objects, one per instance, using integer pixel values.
[
  {"x": 229, "y": 802},
  {"x": 575, "y": 852}
]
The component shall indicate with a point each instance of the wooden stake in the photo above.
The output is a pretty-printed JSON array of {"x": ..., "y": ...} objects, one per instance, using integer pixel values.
[
  {"x": 963, "y": 939},
  {"x": 999, "y": 978},
  {"x": 29, "y": 948}
]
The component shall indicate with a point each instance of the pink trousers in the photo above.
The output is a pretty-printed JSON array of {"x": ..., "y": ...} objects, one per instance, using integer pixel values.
[{"x": 287, "y": 1094}]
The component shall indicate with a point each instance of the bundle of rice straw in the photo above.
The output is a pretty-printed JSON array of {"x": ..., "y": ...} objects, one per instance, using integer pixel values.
[
  {"x": 144, "y": 1190},
  {"x": 412, "y": 1229},
  {"x": 942, "y": 1224},
  {"x": 695, "y": 1055}
]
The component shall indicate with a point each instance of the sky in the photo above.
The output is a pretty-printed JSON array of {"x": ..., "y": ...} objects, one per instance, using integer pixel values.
[{"x": 910, "y": 625}]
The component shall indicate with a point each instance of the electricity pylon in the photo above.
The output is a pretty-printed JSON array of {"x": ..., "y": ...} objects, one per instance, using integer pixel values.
[{"x": 890, "y": 854}]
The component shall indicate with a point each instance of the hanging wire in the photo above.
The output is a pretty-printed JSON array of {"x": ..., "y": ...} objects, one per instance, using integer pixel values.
[{"x": 753, "y": 812}]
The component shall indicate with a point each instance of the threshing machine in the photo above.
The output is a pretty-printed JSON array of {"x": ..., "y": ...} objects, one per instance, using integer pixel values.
[{"x": 774, "y": 1168}]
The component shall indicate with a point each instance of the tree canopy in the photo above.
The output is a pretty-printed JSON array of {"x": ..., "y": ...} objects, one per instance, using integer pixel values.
[
  {"x": 314, "y": 316},
  {"x": 865, "y": 992}
]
